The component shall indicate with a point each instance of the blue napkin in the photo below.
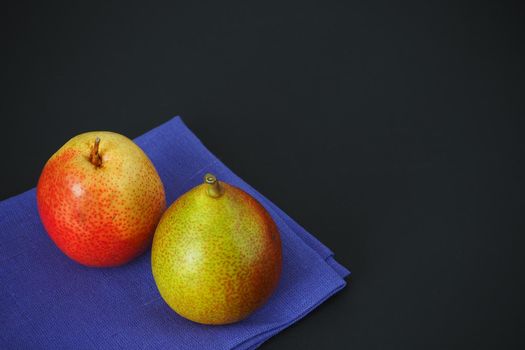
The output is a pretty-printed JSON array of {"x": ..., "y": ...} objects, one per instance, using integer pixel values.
[{"x": 49, "y": 301}]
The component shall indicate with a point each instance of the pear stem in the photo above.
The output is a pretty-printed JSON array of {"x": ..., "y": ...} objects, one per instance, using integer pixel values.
[
  {"x": 94, "y": 157},
  {"x": 214, "y": 188}
]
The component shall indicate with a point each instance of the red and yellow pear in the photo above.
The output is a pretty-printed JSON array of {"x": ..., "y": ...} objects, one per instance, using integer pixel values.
[{"x": 100, "y": 199}]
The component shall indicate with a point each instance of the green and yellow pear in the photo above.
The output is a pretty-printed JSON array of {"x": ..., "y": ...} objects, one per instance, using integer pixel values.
[{"x": 216, "y": 254}]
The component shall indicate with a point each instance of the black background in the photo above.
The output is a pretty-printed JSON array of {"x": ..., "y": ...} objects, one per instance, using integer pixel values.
[{"x": 391, "y": 130}]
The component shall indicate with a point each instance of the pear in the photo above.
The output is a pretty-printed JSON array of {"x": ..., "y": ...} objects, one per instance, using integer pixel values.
[
  {"x": 100, "y": 198},
  {"x": 216, "y": 254}
]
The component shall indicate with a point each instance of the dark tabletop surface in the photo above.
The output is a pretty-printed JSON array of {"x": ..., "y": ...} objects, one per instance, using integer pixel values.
[{"x": 393, "y": 131}]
